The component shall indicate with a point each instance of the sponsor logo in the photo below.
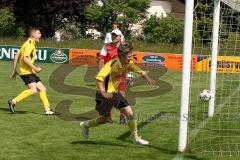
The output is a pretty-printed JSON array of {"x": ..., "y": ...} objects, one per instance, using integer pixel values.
[
  {"x": 41, "y": 54},
  {"x": 227, "y": 64},
  {"x": 153, "y": 58},
  {"x": 155, "y": 65},
  {"x": 201, "y": 58},
  {"x": 8, "y": 53},
  {"x": 59, "y": 57}
]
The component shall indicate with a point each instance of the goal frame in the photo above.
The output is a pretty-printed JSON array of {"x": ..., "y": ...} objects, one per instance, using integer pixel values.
[{"x": 186, "y": 70}]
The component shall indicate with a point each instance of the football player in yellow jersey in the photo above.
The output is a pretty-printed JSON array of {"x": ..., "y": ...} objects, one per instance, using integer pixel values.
[
  {"x": 28, "y": 70},
  {"x": 107, "y": 95}
]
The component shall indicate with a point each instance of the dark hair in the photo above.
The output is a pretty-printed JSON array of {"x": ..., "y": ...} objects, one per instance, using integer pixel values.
[
  {"x": 125, "y": 49},
  {"x": 114, "y": 34},
  {"x": 98, "y": 54},
  {"x": 31, "y": 30},
  {"x": 117, "y": 24}
]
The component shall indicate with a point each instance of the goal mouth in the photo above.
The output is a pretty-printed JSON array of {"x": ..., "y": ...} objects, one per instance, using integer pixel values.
[{"x": 216, "y": 44}]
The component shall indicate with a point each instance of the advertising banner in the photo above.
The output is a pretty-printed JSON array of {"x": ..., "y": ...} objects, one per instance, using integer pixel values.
[
  {"x": 224, "y": 64},
  {"x": 170, "y": 61},
  {"x": 44, "y": 55},
  {"x": 88, "y": 57},
  {"x": 83, "y": 57}
]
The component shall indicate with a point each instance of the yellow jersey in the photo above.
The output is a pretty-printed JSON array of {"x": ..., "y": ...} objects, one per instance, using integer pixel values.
[
  {"x": 112, "y": 72},
  {"x": 28, "y": 50}
]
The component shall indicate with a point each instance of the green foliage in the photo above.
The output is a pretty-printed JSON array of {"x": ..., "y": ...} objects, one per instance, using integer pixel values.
[
  {"x": 204, "y": 7},
  {"x": 204, "y": 21},
  {"x": 71, "y": 30},
  {"x": 6, "y": 20},
  {"x": 7, "y": 24},
  {"x": 45, "y": 14},
  {"x": 20, "y": 32},
  {"x": 203, "y": 29},
  {"x": 125, "y": 12},
  {"x": 165, "y": 29}
]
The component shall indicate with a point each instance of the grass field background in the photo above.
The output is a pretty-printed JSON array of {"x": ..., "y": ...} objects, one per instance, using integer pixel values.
[{"x": 29, "y": 134}]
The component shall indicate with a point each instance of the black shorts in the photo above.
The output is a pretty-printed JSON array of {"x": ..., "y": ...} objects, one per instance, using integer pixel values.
[
  {"x": 30, "y": 78},
  {"x": 104, "y": 106}
]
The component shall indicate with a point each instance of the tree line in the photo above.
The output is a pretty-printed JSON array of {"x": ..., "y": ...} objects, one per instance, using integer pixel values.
[{"x": 77, "y": 16}]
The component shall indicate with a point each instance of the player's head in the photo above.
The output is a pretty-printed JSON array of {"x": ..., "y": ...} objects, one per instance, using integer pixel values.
[
  {"x": 34, "y": 33},
  {"x": 115, "y": 26},
  {"x": 125, "y": 52},
  {"x": 116, "y": 35}
]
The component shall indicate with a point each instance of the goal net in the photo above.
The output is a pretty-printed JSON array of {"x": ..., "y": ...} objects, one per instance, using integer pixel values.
[{"x": 220, "y": 134}]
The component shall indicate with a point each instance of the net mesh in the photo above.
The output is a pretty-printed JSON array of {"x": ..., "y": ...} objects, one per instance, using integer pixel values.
[{"x": 219, "y": 135}]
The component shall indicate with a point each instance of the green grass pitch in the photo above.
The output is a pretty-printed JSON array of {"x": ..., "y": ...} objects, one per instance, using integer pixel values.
[{"x": 29, "y": 134}]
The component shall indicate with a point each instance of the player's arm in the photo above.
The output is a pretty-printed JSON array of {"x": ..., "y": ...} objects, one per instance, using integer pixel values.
[
  {"x": 34, "y": 68},
  {"x": 135, "y": 68},
  {"x": 149, "y": 80},
  {"x": 101, "y": 76},
  {"x": 100, "y": 64},
  {"x": 103, "y": 91},
  {"x": 102, "y": 56},
  {"x": 15, "y": 61}
]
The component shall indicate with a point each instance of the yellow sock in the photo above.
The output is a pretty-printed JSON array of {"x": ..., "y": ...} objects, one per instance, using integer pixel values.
[
  {"x": 132, "y": 124},
  {"x": 95, "y": 122},
  {"x": 91, "y": 123},
  {"x": 22, "y": 96},
  {"x": 44, "y": 99}
]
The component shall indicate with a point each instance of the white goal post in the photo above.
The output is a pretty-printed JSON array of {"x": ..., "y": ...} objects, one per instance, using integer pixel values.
[
  {"x": 187, "y": 57},
  {"x": 186, "y": 70}
]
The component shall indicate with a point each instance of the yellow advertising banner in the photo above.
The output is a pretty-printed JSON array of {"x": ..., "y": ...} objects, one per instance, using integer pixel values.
[{"x": 224, "y": 64}]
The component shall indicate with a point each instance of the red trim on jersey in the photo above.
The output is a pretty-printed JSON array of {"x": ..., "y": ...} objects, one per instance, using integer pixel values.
[{"x": 112, "y": 52}]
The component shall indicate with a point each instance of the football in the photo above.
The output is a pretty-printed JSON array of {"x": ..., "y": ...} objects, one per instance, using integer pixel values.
[
  {"x": 130, "y": 79},
  {"x": 205, "y": 95}
]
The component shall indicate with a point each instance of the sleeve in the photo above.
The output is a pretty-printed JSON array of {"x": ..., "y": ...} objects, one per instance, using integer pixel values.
[
  {"x": 134, "y": 68},
  {"x": 104, "y": 72},
  {"x": 103, "y": 53},
  {"x": 108, "y": 38}
]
